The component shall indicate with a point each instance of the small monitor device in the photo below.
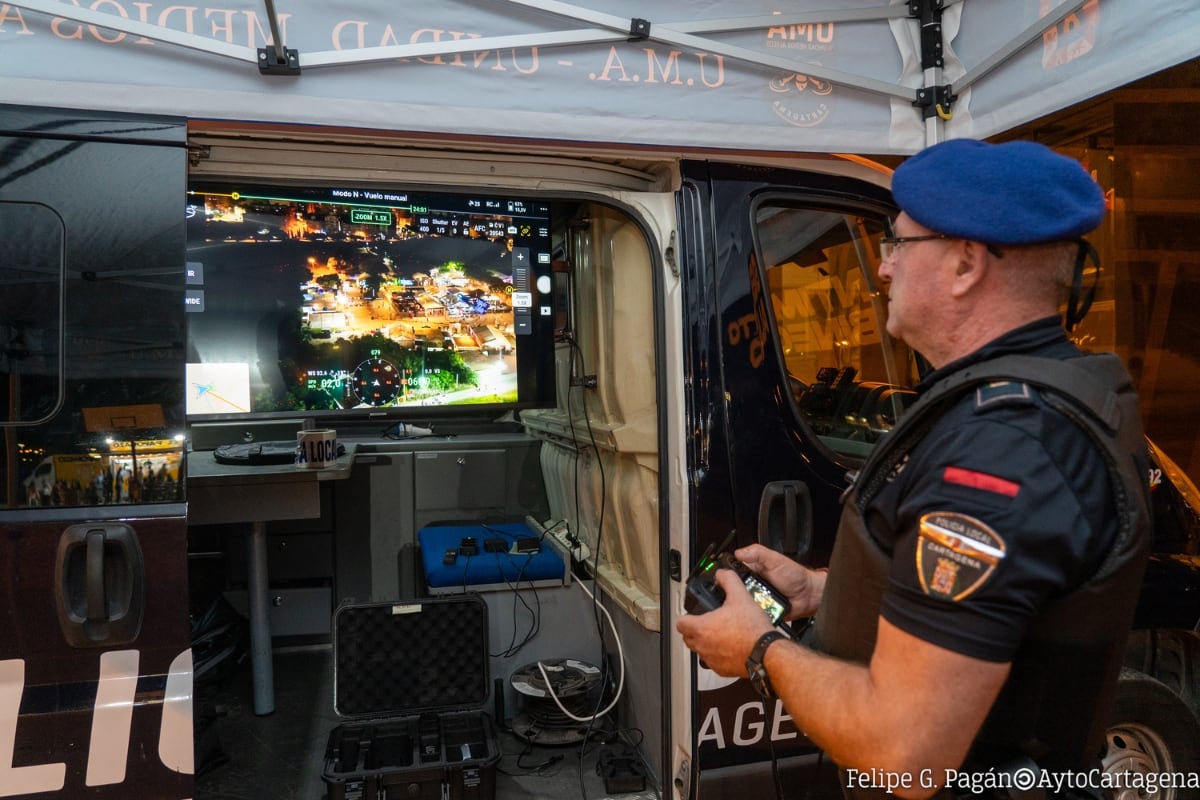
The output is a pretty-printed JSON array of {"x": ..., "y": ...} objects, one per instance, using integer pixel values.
[{"x": 704, "y": 594}]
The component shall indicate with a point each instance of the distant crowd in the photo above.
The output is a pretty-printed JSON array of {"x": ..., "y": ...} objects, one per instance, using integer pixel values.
[{"x": 117, "y": 484}]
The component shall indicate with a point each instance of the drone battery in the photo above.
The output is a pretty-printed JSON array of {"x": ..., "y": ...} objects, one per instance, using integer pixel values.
[{"x": 411, "y": 681}]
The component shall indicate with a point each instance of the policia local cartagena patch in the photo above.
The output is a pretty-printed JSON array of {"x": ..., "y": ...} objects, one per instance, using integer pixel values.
[{"x": 956, "y": 554}]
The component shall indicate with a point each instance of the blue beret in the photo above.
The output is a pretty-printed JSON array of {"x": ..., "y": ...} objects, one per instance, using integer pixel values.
[{"x": 1009, "y": 194}]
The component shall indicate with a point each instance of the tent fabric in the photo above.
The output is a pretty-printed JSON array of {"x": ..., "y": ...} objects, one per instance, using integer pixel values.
[{"x": 804, "y": 75}]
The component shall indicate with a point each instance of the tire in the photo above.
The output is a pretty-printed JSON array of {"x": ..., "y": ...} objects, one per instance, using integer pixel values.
[
  {"x": 1151, "y": 732},
  {"x": 1170, "y": 656}
]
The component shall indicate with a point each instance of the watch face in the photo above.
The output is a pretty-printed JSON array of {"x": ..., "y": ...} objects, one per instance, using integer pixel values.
[{"x": 375, "y": 382}]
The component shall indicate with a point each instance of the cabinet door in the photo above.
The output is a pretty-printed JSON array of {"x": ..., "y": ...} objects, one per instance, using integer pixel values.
[{"x": 460, "y": 484}]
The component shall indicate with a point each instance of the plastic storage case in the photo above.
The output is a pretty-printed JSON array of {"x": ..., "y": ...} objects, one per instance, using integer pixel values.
[{"x": 413, "y": 678}]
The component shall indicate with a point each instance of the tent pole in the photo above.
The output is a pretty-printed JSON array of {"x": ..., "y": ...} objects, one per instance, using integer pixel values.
[
  {"x": 935, "y": 99},
  {"x": 273, "y": 21},
  {"x": 935, "y": 124},
  {"x": 277, "y": 59}
]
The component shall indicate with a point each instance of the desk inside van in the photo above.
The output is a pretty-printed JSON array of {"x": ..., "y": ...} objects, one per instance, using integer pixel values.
[{"x": 257, "y": 494}]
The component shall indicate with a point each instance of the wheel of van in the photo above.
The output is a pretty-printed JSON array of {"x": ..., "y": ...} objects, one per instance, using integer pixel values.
[
  {"x": 1150, "y": 732},
  {"x": 1170, "y": 656}
]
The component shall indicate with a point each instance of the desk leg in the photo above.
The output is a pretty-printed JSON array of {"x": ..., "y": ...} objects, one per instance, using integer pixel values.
[{"x": 260, "y": 624}]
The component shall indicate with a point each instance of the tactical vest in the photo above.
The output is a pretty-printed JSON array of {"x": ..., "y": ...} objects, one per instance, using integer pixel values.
[{"x": 1053, "y": 706}]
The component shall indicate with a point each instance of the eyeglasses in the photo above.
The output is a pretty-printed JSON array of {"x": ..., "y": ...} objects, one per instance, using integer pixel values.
[{"x": 890, "y": 245}]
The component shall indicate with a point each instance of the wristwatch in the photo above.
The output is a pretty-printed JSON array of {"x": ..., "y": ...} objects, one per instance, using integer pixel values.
[{"x": 755, "y": 667}]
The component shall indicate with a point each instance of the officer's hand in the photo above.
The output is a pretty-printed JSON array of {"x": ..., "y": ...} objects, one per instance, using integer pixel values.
[
  {"x": 802, "y": 586},
  {"x": 724, "y": 637}
]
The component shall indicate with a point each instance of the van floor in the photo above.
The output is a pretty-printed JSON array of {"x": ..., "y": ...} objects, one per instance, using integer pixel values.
[{"x": 280, "y": 756}]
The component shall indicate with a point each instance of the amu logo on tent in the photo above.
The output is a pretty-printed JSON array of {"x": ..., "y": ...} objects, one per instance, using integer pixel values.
[
  {"x": 1071, "y": 38},
  {"x": 800, "y": 100}
]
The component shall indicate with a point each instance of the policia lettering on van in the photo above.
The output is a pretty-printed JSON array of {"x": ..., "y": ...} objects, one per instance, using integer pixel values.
[{"x": 112, "y": 735}]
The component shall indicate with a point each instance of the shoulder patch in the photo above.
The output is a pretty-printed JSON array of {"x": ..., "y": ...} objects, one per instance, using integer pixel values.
[
  {"x": 1003, "y": 391},
  {"x": 956, "y": 554}
]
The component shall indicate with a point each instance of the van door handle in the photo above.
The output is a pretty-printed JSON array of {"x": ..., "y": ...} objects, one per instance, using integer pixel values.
[
  {"x": 100, "y": 579},
  {"x": 97, "y": 606},
  {"x": 785, "y": 518}
]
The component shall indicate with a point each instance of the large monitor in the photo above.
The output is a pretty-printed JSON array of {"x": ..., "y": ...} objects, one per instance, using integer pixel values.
[{"x": 353, "y": 301}]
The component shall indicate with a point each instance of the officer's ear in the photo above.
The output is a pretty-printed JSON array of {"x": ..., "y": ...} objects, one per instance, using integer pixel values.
[{"x": 972, "y": 266}]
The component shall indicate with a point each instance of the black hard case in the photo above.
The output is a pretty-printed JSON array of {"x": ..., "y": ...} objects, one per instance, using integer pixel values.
[{"x": 413, "y": 677}]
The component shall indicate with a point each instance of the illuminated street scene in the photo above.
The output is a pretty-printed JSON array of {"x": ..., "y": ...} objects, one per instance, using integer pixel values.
[{"x": 360, "y": 306}]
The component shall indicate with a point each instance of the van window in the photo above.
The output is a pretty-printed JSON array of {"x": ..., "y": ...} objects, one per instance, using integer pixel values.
[
  {"x": 849, "y": 380},
  {"x": 32, "y": 241},
  {"x": 91, "y": 334}
]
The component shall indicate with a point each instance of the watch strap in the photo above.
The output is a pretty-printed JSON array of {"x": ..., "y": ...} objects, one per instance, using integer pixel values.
[{"x": 756, "y": 670}]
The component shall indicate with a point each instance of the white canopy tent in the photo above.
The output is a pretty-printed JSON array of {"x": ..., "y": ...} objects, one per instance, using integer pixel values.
[{"x": 783, "y": 75}]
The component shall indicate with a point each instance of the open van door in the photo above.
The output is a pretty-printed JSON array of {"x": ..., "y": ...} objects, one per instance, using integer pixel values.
[
  {"x": 792, "y": 383},
  {"x": 95, "y": 665}
]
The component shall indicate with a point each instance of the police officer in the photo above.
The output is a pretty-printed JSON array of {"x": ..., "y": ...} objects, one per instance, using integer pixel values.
[{"x": 974, "y": 613}]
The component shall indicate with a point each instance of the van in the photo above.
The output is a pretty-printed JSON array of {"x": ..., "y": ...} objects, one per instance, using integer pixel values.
[
  {"x": 720, "y": 364},
  {"x": 687, "y": 342}
]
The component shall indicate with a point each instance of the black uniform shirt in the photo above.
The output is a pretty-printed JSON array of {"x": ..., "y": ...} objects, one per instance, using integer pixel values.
[{"x": 1003, "y": 505}]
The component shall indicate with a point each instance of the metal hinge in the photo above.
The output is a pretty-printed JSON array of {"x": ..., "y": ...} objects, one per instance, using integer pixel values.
[
  {"x": 269, "y": 63},
  {"x": 937, "y": 100},
  {"x": 670, "y": 255}
]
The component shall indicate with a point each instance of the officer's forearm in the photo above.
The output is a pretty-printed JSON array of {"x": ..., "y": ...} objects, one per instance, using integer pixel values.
[{"x": 853, "y": 712}]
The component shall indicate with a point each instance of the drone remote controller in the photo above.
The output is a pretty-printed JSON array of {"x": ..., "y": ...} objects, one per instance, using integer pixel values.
[{"x": 704, "y": 594}]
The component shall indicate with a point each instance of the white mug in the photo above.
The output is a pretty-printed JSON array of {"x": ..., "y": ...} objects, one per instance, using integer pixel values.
[{"x": 316, "y": 448}]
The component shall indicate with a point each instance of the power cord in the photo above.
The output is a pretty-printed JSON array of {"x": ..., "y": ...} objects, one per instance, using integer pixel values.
[
  {"x": 541, "y": 769},
  {"x": 588, "y": 382},
  {"x": 535, "y": 626},
  {"x": 620, "y": 655},
  {"x": 509, "y": 539},
  {"x": 770, "y": 715},
  {"x": 577, "y": 355}
]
